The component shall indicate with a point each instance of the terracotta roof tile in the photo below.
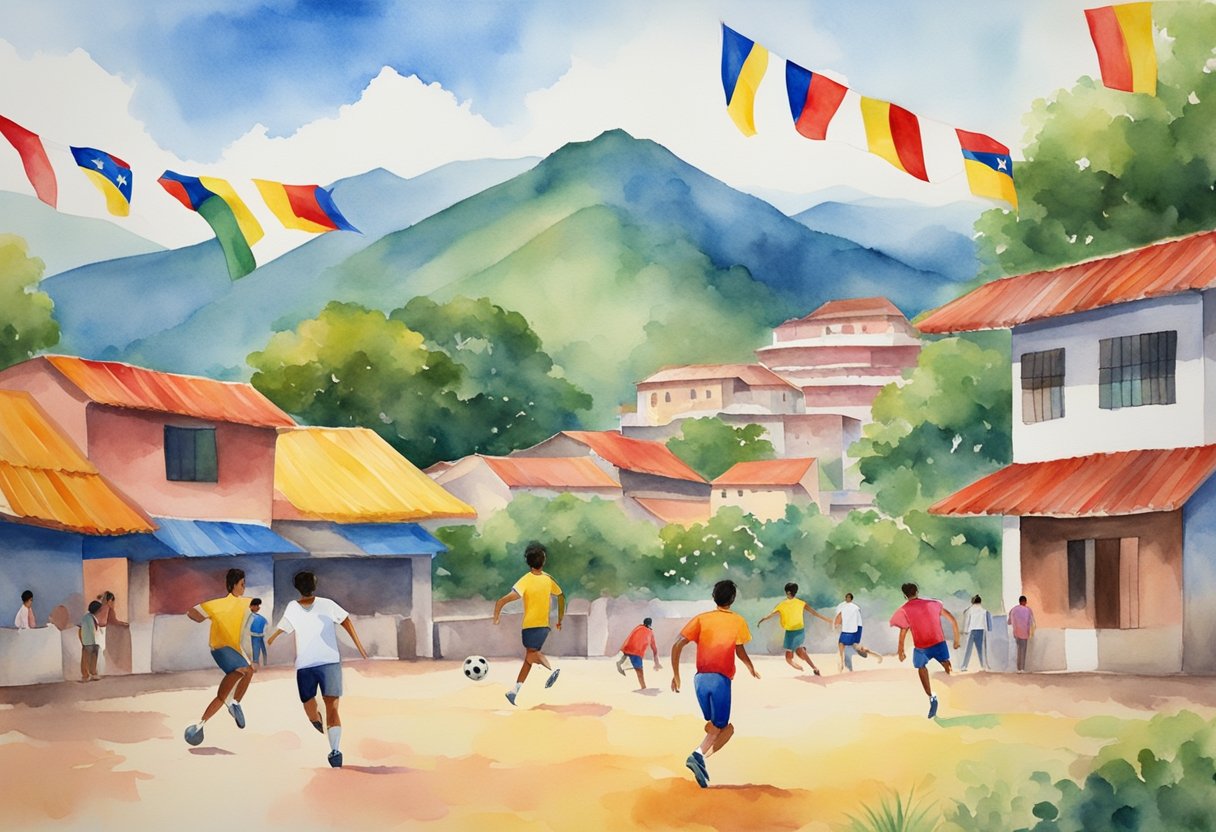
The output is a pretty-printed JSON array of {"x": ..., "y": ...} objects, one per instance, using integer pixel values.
[
  {"x": 550, "y": 472},
  {"x": 640, "y": 455},
  {"x": 766, "y": 472}
]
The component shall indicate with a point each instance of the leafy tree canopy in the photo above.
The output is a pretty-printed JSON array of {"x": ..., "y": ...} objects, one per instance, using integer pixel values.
[
  {"x": 26, "y": 322},
  {"x": 710, "y": 446},
  {"x": 1107, "y": 170}
]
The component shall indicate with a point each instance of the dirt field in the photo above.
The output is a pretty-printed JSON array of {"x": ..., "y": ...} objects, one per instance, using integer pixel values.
[{"x": 426, "y": 748}]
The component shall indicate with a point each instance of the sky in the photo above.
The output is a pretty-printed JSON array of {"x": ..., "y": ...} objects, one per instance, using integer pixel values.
[{"x": 311, "y": 91}]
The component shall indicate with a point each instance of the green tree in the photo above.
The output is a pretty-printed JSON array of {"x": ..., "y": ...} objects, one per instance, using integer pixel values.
[
  {"x": 1108, "y": 170},
  {"x": 710, "y": 446},
  {"x": 355, "y": 366},
  {"x": 945, "y": 427},
  {"x": 508, "y": 380},
  {"x": 26, "y": 322}
]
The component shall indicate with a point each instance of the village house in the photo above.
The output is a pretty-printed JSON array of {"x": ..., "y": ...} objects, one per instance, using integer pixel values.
[
  {"x": 655, "y": 483},
  {"x": 765, "y": 488},
  {"x": 1109, "y": 506},
  {"x": 490, "y": 483}
]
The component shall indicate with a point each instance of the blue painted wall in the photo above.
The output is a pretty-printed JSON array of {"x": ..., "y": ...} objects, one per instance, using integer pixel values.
[
  {"x": 1199, "y": 580},
  {"x": 44, "y": 561}
]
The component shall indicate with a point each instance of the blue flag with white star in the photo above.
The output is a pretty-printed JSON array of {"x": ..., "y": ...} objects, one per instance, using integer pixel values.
[{"x": 111, "y": 175}]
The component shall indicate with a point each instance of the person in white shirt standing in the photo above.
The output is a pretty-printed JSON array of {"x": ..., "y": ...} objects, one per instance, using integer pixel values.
[
  {"x": 976, "y": 623},
  {"x": 314, "y": 620},
  {"x": 848, "y": 619},
  {"x": 25, "y": 613}
]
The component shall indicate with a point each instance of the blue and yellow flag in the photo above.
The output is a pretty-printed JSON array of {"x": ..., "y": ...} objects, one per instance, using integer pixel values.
[
  {"x": 111, "y": 176},
  {"x": 743, "y": 65},
  {"x": 989, "y": 167}
]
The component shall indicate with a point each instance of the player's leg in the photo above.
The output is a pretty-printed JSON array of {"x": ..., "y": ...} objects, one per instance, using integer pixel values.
[
  {"x": 923, "y": 673},
  {"x": 789, "y": 659},
  {"x": 243, "y": 684},
  {"x": 806, "y": 657},
  {"x": 307, "y": 684},
  {"x": 641, "y": 678},
  {"x": 840, "y": 661},
  {"x": 538, "y": 657},
  {"x": 84, "y": 663},
  {"x": 331, "y": 691},
  {"x": 723, "y": 738},
  {"x": 620, "y": 663},
  {"x": 723, "y": 730}
]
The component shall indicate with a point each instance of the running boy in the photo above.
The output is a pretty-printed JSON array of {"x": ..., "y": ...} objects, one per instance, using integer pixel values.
[
  {"x": 229, "y": 621},
  {"x": 314, "y": 620},
  {"x": 923, "y": 616},
  {"x": 848, "y": 619},
  {"x": 792, "y": 610},
  {"x": 534, "y": 588},
  {"x": 634, "y": 649},
  {"x": 719, "y": 635}
]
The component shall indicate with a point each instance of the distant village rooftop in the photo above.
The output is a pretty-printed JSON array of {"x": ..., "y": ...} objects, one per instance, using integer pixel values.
[
  {"x": 853, "y": 308},
  {"x": 753, "y": 375},
  {"x": 123, "y": 385},
  {"x": 1169, "y": 268},
  {"x": 639, "y": 455},
  {"x": 550, "y": 472},
  {"x": 767, "y": 472}
]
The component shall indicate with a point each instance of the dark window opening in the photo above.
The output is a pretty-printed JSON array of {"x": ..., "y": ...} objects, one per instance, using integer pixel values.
[{"x": 190, "y": 455}]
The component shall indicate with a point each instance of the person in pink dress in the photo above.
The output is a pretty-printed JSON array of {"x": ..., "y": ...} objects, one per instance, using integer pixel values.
[
  {"x": 923, "y": 617},
  {"x": 1021, "y": 618}
]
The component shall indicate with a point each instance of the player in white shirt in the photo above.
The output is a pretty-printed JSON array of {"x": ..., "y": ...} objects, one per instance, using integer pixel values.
[
  {"x": 848, "y": 619},
  {"x": 315, "y": 620}
]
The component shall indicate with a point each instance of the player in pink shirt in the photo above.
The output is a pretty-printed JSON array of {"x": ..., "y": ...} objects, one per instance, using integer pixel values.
[{"x": 923, "y": 616}]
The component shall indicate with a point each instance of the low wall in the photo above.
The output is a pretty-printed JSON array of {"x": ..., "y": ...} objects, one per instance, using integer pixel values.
[
  {"x": 460, "y": 636},
  {"x": 29, "y": 657}
]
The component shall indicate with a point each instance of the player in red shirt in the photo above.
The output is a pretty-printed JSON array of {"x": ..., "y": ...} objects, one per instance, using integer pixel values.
[
  {"x": 634, "y": 649},
  {"x": 923, "y": 616}
]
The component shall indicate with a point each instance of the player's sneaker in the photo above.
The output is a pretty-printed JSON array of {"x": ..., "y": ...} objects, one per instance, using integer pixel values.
[
  {"x": 238, "y": 715},
  {"x": 320, "y": 728},
  {"x": 194, "y": 734},
  {"x": 696, "y": 764},
  {"x": 552, "y": 678},
  {"x": 932, "y": 707},
  {"x": 815, "y": 670},
  {"x": 511, "y": 697},
  {"x": 335, "y": 759}
]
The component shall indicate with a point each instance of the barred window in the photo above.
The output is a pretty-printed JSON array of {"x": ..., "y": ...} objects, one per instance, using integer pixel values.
[
  {"x": 1042, "y": 386},
  {"x": 1136, "y": 370},
  {"x": 190, "y": 455}
]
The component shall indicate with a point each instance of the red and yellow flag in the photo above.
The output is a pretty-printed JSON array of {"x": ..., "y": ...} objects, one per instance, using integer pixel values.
[{"x": 1123, "y": 36}]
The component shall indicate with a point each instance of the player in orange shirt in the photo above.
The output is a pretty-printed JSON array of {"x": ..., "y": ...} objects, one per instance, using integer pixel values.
[
  {"x": 719, "y": 635},
  {"x": 634, "y": 649}
]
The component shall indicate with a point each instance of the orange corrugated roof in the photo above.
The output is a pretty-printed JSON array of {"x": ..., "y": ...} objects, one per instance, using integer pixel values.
[
  {"x": 1098, "y": 485},
  {"x": 351, "y": 475},
  {"x": 854, "y": 308},
  {"x": 767, "y": 472},
  {"x": 122, "y": 385},
  {"x": 1168, "y": 268},
  {"x": 681, "y": 512},
  {"x": 640, "y": 455},
  {"x": 754, "y": 375},
  {"x": 550, "y": 472},
  {"x": 46, "y": 481}
]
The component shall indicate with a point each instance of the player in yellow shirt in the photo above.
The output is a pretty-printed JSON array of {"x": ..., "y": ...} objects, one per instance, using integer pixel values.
[
  {"x": 792, "y": 610},
  {"x": 534, "y": 588},
  {"x": 229, "y": 618}
]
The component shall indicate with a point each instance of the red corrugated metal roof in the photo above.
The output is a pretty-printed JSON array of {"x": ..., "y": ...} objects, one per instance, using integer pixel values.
[
  {"x": 640, "y": 455},
  {"x": 854, "y": 308},
  {"x": 767, "y": 472},
  {"x": 1098, "y": 485},
  {"x": 550, "y": 472},
  {"x": 1169, "y": 268},
  {"x": 682, "y": 512},
  {"x": 754, "y": 375},
  {"x": 122, "y": 385}
]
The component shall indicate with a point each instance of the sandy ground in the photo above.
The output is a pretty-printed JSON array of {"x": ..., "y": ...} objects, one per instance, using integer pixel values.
[{"x": 426, "y": 748}]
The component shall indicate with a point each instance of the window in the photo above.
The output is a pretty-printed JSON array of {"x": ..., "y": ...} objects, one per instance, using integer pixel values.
[
  {"x": 740, "y": 492},
  {"x": 190, "y": 455},
  {"x": 1042, "y": 386},
  {"x": 709, "y": 394},
  {"x": 692, "y": 394},
  {"x": 1136, "y": 370},
  {"x": 667, "y": 397},
  {"x": 654, "y": 399},
  {"x": 724, "y": 492}
]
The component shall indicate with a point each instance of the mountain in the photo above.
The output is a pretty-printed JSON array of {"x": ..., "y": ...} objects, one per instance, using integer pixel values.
[
  {"x": 936, "y": 238},
  {"x": 149, "y": 294},
  {"x": 63, "y": 241}
]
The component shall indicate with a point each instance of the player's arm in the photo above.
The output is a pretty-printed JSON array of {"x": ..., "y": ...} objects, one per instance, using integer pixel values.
[
  {"x": 903, "y": 634},
  {"x": 513, "y": 595},
  {"x": 953, "y": 623},
  {"x": 273, "y": 636},
  {"x": 817, "y": 613},
  {"x": 767, "y": 617},
  {"x": 837, "y": 621},
  {"x": 196, "y": 613},
  {"x": 654, "y": 648},
  {"x": 741, "y": 652},
  {"x": 349, "y": 626},
  {"x": 561, "y": 606},
  {"x": 676, "y": 650}
]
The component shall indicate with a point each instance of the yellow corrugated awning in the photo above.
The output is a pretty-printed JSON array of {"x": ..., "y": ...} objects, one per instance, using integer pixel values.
[{"x": 351, "y": 475}]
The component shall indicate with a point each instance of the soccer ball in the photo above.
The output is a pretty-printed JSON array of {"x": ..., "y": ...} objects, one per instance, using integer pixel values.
[{"x": 476, "y": 668}]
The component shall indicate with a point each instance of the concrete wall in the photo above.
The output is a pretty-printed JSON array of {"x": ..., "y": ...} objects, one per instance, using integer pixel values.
[
  {"x": 460, "y": 636},
  {"x": 1086, "y": 428},
  {"x": 31, "y": 656}
]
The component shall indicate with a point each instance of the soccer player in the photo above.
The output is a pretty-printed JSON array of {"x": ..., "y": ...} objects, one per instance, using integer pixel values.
[
  {"x": 792, "y": 610},
  {"x": 848, "y": 619},
  {"x": 923, "y": 616},
  {"x": 229, "y": 621},
  {"x": 534, "y": 588},
  {"x": 719, "y": 635},
  {"x": 315, "y": 622},
  {"x": 634, "y": 650}
]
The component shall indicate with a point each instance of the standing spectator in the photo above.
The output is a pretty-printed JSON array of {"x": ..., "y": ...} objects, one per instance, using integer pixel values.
[
  {"x": 1021, "y": 618},
  {"x": 25, "y": 613},
  {"x": 257, "y": 632},
  {"x": 88, "y": 643},
  {"x": 975, "y": 622},
  {"x": 105, "y": 617}
]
